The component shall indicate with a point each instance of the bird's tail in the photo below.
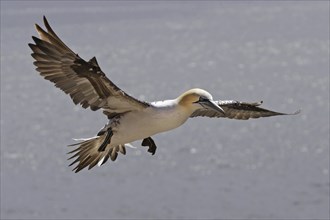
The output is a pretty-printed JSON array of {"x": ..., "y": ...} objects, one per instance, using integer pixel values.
[{"x": 88, "y": 154}]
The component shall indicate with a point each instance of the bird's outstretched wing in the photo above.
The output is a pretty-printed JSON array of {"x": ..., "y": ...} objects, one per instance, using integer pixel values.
[
  {"x": 84, "y": 81},
  {"x": 239, "y": 110}
]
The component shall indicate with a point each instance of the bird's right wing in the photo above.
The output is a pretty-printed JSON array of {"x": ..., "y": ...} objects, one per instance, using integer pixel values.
[
  {"x": 83, "y": 80},
  {"x": 239, "y": 110}
]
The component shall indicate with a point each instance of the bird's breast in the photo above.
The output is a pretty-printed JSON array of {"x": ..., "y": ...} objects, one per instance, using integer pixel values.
[{"x": 137, "y": 125}]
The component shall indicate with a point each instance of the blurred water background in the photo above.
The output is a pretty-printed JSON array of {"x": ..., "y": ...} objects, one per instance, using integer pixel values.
[{"x": 273, "y": 168}]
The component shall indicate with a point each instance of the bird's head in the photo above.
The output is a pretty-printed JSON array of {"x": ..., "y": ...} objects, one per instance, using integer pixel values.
[{"x": 195, "y": 99}]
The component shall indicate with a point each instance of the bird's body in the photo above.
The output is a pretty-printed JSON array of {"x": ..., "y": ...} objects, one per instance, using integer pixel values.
[
  {"x": 160, "y": 116},
  {"x": 129, "y": 119},
  {"x": 137, "y": 125}
]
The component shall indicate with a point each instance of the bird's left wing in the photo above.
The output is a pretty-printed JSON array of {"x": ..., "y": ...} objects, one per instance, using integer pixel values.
[
  {"x": 239, "y": 110},
  {"x": 84, "y": 81}
]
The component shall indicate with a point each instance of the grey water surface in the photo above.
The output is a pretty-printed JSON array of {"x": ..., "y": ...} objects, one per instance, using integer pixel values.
[{"x": 271, "y": 168}]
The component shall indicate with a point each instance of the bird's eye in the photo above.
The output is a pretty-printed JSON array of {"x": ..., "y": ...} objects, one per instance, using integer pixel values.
[{"x": 201, "y": 99}]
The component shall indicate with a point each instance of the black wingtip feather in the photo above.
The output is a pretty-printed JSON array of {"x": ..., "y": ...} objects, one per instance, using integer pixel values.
[
  {"x": 49, "y": 29},
  {"x": 39, "y": 29},
  {"x": 36, "y": 40}
]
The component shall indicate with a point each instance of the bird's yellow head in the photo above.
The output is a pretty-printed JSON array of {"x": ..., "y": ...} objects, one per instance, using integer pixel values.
[{"x": 194, "y": 99}]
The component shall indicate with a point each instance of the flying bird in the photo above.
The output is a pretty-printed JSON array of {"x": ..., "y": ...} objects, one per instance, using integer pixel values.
[{"x": 129, "y": 119}]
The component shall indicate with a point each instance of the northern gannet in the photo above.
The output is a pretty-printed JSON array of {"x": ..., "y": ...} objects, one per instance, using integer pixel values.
[{"x": 129, "y": 118}]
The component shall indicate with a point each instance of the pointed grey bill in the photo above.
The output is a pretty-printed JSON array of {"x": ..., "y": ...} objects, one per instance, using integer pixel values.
[{"x": 209, "y": 104}]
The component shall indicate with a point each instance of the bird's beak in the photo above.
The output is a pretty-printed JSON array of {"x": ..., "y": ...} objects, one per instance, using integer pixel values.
[{"x": 209, "y": 104}]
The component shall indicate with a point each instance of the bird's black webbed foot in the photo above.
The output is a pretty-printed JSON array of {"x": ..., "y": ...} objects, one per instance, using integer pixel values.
[
  {"x": 151, "y": 144},
  {"x": 106, "y": 140}
]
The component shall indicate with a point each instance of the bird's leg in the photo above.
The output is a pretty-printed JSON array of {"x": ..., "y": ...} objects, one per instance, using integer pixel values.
[
  {"x": 106, "y": 140},
  {"x": 151, "y": 144}
]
